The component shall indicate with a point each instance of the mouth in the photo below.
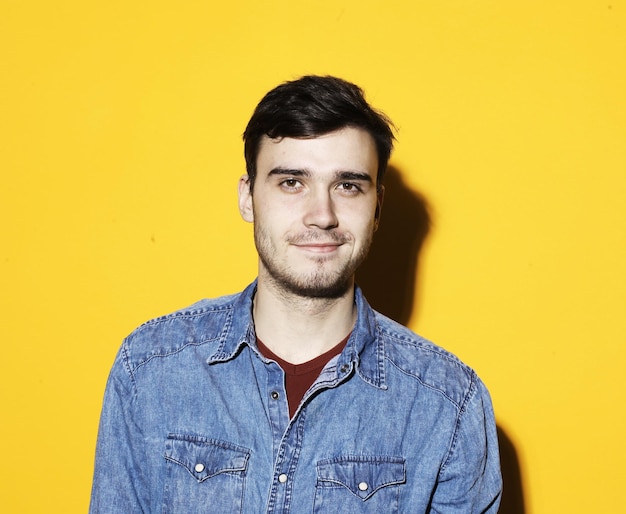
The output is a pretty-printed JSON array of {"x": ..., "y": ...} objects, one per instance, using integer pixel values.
[{"x": 319, "y": 248}]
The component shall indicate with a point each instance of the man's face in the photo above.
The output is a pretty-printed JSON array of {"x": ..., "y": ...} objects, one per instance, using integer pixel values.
[{"x": 315, "y": 208}]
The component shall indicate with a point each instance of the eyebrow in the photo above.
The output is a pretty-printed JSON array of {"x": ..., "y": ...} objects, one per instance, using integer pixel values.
[
  {"x": 340, "y": 175},
  {"x": 288, "y": 171},
  {"x": 354, "y": 175}
]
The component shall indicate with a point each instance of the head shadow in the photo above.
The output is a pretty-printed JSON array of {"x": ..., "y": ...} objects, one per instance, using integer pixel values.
[{"x": 389, "y": 275}]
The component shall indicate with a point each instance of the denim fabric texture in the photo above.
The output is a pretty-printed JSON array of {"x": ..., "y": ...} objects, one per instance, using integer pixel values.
[{"x": 195, "y": 420}]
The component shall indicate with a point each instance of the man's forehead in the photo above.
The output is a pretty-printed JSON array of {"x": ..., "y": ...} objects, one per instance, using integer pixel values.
[{"x": 345, "y": 148}]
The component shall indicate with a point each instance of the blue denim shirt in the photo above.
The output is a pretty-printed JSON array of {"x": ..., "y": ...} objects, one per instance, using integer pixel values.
[{"x": 195, "y": 420}]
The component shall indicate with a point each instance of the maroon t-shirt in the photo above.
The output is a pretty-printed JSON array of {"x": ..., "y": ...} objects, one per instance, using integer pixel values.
[{"x": 299, "y": 377}]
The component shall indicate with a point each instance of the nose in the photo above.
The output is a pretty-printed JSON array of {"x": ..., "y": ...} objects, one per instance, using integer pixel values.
[{"x": 320, "y": 211}]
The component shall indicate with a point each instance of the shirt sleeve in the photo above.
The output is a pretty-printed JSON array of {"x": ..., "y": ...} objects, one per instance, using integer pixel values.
[
  {"x": 118, "y": 483},
  {"x": 470, "y": 480}
]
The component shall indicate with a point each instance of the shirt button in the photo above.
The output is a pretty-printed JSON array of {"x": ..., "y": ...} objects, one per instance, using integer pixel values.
[
  {"x": 363, "y": 486},
  {"x": 274, "y": 395},
  {"x": 282, "y": 478},
  {"x": 199, "y": 468}
]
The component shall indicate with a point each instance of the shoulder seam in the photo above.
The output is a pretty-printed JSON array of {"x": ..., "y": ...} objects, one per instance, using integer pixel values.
[
  {"x": 184, "y": 314},
  {"x": 439, "y": 390},
  {"x": 167, "y": 354}
]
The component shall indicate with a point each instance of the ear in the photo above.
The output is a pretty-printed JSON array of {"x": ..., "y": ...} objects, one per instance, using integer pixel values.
[
  {"x": 245, "y": 199},
  {"x": 380, "y": 195}
]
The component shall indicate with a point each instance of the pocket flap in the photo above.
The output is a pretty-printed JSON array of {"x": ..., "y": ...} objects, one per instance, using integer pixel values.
[
  {"x": 205, "y": 458},
  {"x": 362, "y": 475}
]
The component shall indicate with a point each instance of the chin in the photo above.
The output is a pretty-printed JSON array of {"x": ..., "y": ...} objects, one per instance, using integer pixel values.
[
  {"x": 315, "y": 286},
  {"x": 317, "y": 291},
  {"x": 323, "y": 280}
]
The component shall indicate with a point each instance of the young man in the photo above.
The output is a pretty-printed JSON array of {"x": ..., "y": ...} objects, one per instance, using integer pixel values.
[{"x": 294, "y": 395}]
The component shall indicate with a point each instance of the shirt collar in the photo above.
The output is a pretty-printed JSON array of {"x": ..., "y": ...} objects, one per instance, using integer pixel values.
[{"x": 364, "y": 351}]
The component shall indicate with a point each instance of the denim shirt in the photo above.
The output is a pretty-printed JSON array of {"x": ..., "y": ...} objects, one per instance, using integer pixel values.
[{"x": 195, "y": 420}]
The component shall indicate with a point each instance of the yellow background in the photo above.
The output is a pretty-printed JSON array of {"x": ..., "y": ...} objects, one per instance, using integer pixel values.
[{"x": 120, "y": 152}]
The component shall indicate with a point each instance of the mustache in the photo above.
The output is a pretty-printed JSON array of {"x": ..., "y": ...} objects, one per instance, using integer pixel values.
[{"x": 330, "y": 236}]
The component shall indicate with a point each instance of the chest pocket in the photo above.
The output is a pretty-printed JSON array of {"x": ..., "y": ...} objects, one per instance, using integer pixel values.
[
  {"x": 359, "y": 484},
  {"x": 203, "y": 475}
]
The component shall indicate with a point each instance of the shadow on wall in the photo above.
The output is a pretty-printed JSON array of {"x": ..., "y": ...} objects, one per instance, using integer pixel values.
[
  {"x": 513, "y": 494},
  {"x": 389, "y": 279},
  {"x": 389, "y": 275}
]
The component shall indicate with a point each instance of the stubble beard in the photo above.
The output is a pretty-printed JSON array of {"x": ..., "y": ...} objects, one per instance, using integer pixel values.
[{"x": 320, "y": 283}]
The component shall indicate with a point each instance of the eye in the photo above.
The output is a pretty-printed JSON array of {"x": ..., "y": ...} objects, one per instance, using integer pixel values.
[
  {"x": 290, "y": 184},
  {"x": 350, "y": 187}
]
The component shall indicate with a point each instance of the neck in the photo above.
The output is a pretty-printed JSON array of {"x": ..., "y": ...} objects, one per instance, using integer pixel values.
[{"x": 297, "y": 328}]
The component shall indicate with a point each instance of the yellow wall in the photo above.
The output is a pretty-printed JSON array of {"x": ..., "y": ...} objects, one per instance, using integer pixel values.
[{"x": 120, "y": 150}]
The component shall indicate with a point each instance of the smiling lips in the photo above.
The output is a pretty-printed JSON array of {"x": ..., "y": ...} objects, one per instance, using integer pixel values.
[
  {"x": 319, "y": 247},
  {"x": 318, "y": 243}
]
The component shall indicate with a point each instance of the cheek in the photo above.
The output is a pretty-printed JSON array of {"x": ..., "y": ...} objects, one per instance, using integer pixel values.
[
  {"x": 273, "y": 222},
  {"x": 359, "y": 218}
]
